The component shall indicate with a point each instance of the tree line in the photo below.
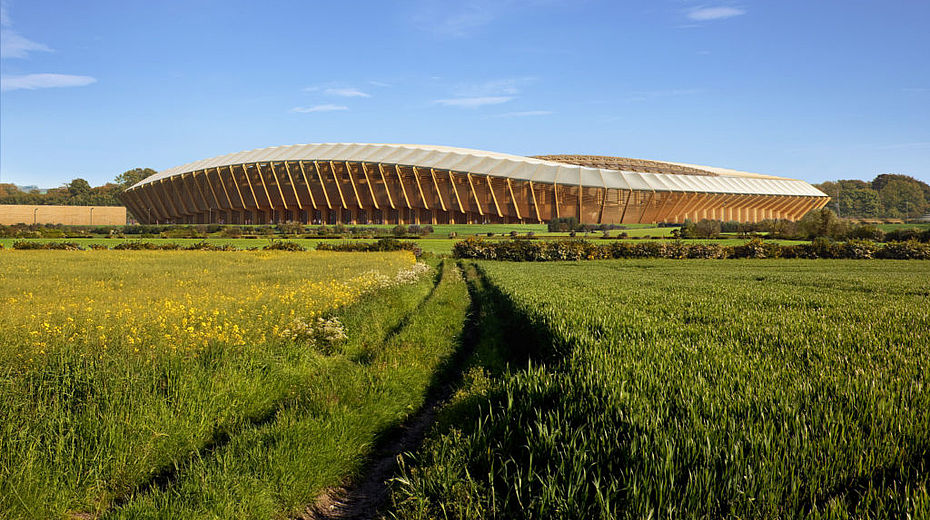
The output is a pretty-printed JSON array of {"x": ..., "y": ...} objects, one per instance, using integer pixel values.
[
  {"x": 887, "y": 196},
  {"x": 78, "y": 192}
]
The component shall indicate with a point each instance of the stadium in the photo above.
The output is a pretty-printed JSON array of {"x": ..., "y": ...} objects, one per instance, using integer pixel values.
[{"x": 355, "y": 183}]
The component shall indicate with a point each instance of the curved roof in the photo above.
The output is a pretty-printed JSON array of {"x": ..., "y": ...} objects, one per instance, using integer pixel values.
[{"x": 506, "y": 165}]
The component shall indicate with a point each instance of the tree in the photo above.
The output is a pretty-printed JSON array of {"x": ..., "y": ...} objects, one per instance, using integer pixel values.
[
  {"x": 903, "y": 198},
  {"x": 78, "y": 188},
  {"x": 860, "y": 203},
  {"x": 882, "y": 180},
  {"x": 130, "y": 177}
]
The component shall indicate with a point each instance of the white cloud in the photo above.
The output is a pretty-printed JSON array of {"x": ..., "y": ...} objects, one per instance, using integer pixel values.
[
  {"x": 704, "y": 14},
  {"x": 346, "y": 92},
  {"x": 12, "y": 44},
  {"x": 36, "y": 81},
  {"x": 644, "y": 95},
  {"x": 525, "y": 113},
  {"x": 473, "y": 102},
  {"x": 460, "y": 19},
  {"x": 378, "y": 84},
  {"x": 319, "y": 108}
]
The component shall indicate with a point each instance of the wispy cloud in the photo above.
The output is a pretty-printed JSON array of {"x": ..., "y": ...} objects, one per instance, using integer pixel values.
[
  {"x": 491, "y": 92},
  {"x": 319, "y": 108},
  {"x": 346, "y": 92},
  {"x": 525, "y": 113},
  {"x": 705, "y": 14},
  {"x": 380, "y": 84},
  {"x": 36, "y": 81},
  {"x": 460, "y": 19},
  {"x": 473, "y": 102},
  {"x": 12, "y": 44},
  {"x": 905, "y": 146},
  {"x": 644, "y": 95}
]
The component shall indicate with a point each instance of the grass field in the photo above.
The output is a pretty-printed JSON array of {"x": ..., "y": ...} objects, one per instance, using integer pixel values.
[
  {"x": 688, "y": 389},
  {"x": 202, "y": 385}
]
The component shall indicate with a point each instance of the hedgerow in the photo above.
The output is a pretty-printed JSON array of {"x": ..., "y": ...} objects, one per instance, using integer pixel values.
[{"x": 543, "y": 251}]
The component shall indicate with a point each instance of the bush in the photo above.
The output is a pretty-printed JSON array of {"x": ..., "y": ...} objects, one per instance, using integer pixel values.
[
  {"x": 65, "y": 246},
  {"x": 384, "y": 244},
  {"x": 523, "y": 250},
  {"x": 283, "y": 245}
]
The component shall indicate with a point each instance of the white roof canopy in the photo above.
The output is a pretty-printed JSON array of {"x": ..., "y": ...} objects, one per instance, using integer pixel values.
[{"x": 508, "y": 166}]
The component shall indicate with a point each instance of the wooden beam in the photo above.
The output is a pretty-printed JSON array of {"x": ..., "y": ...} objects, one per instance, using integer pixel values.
[
  {"x": 161, "y": 192},
  {"x": 403, "y": 189},
  {"x": 258, "y": 168},
  {"x": 664, "y": 203},
  {"x": 416, "y": 177},
  {"x": 245, "y": 173},
  {"x": 332, "y": 169},
  {"x": 180, "y": 194},
  {"x": 474, "y": 193},
  {"x": 652, "y": 195},
  {"x": 555, "y": 198},
  {"x": 513, "y": 199},
  {"x": 627, "y": 205},
  {"x": 600, "y": 213},
  {"x": 371, "y": 190},
  {"x": 277, "y": 181},
  {"x": 148, "y": 193},
  {"x": 455, "y": 190},
  {"x": 354, "y": 188},
  {"x": 303, "y": 173},
  {"x": 487, "y": 179},
  {"x": 533, "y": 198},
  {"x": 203, "y": 195},
  {"x": 223, "y": 185},
  {"x": 287, "y": 168},
  {"x": 216, "y": 199},
  {"x": 316, "y": 166},
  {"x": 432, "y": 174},
  {"x": 387, "y": 189}
]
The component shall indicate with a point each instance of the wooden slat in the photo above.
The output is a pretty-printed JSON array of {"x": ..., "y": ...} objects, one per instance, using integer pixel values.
[
  {"x": 513, "y": 199},
  {"x": 432, "y": 173},
  {"x": 316, "y": 166},
  {"x": 303, "y": 172},
  {"x": 332, "y": 169},
  {"x": 261, "y": 178},
  {"x": 487, "y": 179},
  {"x": 387, "y": 188},
  {"x": 354, "y": 188},
  {"x": 403, "y": 188},
  {"x": 287, "y": 168},
  {"x": 455, "y": 190},
  {"x": 371, "y": 190},
  {"x": 474, "y": 193},
  {"x": 535, "y": 204},
  {"x": 416, "y": 177},
  {"x": 277, "y": 182}
]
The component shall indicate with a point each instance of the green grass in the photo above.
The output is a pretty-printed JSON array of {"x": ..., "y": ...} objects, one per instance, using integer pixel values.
[
  {"x": 160, "y": 384},
  {"x": 688, "y": 389}
]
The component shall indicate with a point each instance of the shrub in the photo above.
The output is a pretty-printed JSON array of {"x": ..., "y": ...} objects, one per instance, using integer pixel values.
[
  {"x": 283, "y": 245},
  {"x": 65, "y": 246},
  {"x": 910, "y": 250}
]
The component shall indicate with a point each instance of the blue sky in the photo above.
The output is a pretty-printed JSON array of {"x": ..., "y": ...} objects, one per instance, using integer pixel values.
[{"x": 815, "y": 90}]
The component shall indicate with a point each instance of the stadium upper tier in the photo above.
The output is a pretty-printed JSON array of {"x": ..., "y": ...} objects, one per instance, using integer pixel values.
[{"x": 393, "y": 183}]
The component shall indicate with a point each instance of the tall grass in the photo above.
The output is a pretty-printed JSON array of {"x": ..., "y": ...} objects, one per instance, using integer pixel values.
[
  {"x": 691, "y": 390},
  {"x": 121, "y": 372}
]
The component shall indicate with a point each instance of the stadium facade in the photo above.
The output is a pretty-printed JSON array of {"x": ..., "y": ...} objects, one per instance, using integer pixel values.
[{"x": 355, "y": 183}]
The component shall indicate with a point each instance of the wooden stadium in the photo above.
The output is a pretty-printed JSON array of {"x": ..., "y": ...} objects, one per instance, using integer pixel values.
[{"x": 355, "y": 183}]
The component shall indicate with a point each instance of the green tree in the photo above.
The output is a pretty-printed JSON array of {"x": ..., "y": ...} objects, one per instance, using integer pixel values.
[
  {"x": 860, "y": 203},
  {"x": 130, "y": 177},
  {"x": 903, "y": 198}
]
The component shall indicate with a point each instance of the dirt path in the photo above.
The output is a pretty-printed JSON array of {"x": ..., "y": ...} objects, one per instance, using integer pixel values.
[{"x": 365, "y": 497}]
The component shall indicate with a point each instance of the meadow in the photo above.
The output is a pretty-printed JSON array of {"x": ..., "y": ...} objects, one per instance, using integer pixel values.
[
  {"x": 688, "y": 389},
  {"x": 192, "y": 384}
]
